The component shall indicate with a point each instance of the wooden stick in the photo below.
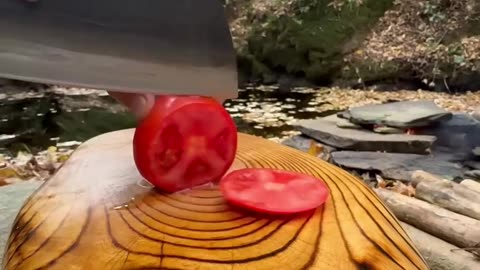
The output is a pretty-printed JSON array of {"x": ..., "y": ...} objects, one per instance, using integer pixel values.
[
  {"x": 454, "y": 228},
  {"x": 439, "y": 254},
  {"x": 446, "y": 194}
]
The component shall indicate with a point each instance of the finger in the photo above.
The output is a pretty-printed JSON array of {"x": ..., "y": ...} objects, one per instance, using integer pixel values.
[{"x": 139, "y": 104}]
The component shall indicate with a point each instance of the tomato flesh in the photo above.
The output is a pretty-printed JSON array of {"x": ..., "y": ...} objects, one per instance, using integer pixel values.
[
  {"x": 273, "y": 191},
  {"x": 184, "y": 141}
]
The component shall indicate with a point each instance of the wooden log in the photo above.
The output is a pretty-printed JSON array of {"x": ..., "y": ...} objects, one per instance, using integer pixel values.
[
  {"x": 461, "y": 190},
  {"x": 471, "y": 184},
  {"x": 423, "y": 176},
  {"x": 93, "y": 214},
  {"x": 454, "y": 228},
  {"x": 450, "y": 195},
  {"x": 439, "y": 254}
]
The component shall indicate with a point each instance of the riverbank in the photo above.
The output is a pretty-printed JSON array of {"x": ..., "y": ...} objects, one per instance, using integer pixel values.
[{"x": 428, "y": 44}]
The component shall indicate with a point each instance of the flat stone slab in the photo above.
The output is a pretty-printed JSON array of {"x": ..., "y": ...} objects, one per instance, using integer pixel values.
[
  {"x": 344, "y": 123},
  {"x": 326, "y": 131},
  {"x": 12, "y": 198},
  {"x": 402, "y": 114},
  {"x": 299, "y": 142},
  {"x": 302, "y": 143},
  {"x": 397, "y": 166}
]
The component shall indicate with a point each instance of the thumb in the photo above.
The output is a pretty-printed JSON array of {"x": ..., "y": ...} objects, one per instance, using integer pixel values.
[{"x": 139, "y": 104}]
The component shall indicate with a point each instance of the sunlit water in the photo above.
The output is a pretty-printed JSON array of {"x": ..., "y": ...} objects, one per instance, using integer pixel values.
[{"x": 35, "y": 120}]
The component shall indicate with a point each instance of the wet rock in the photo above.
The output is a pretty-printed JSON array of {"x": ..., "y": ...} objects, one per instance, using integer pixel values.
[
  {"x": 11, "y": 200},
  {"x": 388, "y": 130},
  {"x": 344, "y": 123},
  {"x": 397, "y": 166},
  {"x": 447, "y": 154},
  {"x": 473, "y": 164},
  {"x": 298, "y": 142},
  {"x": 474, "y": 174},
  {"x": 403, "y": 114},
  {"x": 460, "y": 133},
  {"x": 476, "y": 151},
  {"x": 303, "y": 143},
  {"x": 3, "y": 81},
  {"x": 325, "y": 130},
  {"x": 476, "y": 114}
]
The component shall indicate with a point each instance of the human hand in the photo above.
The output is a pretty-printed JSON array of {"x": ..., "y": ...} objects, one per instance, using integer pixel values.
[{"x": 139, "y": 104}]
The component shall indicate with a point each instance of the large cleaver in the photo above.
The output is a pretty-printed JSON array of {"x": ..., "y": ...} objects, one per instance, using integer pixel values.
[{"x": 153, "y": 46}]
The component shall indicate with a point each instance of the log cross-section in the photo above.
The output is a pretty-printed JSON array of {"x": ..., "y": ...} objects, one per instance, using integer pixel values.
[{"x": 95, "y": 213}]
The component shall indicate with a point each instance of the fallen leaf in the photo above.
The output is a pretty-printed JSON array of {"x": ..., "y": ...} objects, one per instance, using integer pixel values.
[
  {"x": 52, "y": 154},
  {"x": 381, "y": 183},
  {"x": 403, "y": 189},
  {"x": 314, "y": 148},
  {"x": 8, "y": 172}
]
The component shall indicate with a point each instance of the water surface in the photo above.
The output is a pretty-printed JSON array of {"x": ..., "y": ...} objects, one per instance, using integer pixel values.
[{"x": 34, "y": 120}]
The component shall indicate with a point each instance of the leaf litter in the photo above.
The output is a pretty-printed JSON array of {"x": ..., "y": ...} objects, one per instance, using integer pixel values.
[{"x": 26, "y": 166}]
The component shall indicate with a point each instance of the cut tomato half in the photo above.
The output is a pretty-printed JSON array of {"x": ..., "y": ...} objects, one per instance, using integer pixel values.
[
  {"x": 273, "y": 191},
  {"x": 184, "y": 141}
]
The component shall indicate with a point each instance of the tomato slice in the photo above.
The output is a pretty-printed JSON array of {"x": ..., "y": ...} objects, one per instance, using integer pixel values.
[
  {"x": 273, "y": 191},
  {"x": 184, "y": 141}
]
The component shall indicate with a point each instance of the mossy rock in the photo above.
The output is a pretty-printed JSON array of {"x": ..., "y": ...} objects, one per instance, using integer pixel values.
[{"x": 311, "y": 41}]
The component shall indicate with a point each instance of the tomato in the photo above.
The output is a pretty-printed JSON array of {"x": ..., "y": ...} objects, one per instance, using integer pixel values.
[
  {"x": 184, "y": 141},
  {"x": 273, "y": 191}
]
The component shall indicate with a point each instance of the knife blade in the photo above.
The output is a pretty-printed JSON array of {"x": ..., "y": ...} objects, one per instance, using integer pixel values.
[{"x": 152, "y": 46}]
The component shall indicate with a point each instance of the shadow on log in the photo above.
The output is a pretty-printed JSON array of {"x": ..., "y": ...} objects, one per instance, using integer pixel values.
[{"x": 94, "y": 214}]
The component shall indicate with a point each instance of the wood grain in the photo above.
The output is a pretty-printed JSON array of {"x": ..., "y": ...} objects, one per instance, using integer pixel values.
[{"x": 76, "y": 220}]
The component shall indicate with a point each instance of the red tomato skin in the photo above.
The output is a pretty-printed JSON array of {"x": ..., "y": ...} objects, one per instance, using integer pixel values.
[
  {"x": 147, "y": 131},
  {"x": 232, "y": 194}
]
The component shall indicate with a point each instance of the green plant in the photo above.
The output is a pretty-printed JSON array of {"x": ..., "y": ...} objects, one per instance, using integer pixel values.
[{"x": 433, "y": 10}]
